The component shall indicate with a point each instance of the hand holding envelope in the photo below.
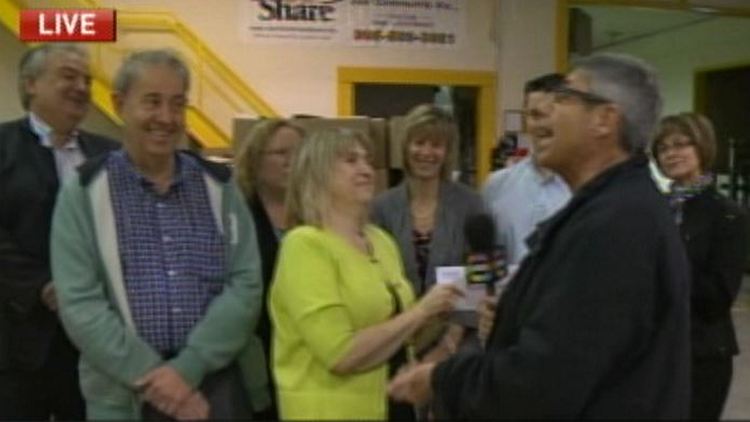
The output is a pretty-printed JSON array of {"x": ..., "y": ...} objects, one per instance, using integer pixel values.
[{"x": 475, "y": 298}]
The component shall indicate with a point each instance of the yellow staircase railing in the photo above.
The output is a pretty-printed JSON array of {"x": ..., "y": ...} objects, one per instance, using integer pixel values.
[{"x": 210, "y": 72}]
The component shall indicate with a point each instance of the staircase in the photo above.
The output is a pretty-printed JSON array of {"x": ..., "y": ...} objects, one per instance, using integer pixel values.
[{"x": 217, "y": 93}]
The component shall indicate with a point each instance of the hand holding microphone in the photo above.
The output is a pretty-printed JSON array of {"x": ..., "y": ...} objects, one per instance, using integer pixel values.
[{"x": 486, "y": 317}]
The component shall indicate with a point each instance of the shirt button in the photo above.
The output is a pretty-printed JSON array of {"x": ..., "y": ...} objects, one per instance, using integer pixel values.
[
  {"x": 176, "y": 310},
  {"x": 166, "y": 239},
  {"x": 160, "y": 205},
  {"x": 171, "y": 273}
]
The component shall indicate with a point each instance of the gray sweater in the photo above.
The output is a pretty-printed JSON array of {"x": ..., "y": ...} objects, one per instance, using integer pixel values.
[{"x": 455, "y": 203}]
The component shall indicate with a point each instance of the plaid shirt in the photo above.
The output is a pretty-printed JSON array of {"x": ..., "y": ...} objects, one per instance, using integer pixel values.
[{"x": 171, "y": 250}]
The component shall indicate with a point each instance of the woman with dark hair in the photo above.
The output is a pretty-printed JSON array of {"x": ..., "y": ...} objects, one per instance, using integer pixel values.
[{"x": 714, "y": 231}]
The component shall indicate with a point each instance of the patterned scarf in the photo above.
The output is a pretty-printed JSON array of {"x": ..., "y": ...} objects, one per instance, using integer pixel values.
[{"x": 679, "y": 194}]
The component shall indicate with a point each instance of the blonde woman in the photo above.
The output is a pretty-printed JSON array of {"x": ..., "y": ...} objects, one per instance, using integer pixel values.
[
  {"x": 426, "y": 213},
  {"x": 343, "y": 313},
  {"x": 262, "y": 171}
]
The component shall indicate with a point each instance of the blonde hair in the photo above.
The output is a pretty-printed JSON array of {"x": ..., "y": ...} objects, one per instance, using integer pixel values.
[
  {"x": 251, "y": 151},
  {"x": 697, "y": 128},
  {"x": 429, "y": 121},
  {"x": 307, "y": 196}
]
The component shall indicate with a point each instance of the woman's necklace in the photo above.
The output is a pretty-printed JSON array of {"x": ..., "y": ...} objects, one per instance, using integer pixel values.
[{"x": 423, "y": 217}]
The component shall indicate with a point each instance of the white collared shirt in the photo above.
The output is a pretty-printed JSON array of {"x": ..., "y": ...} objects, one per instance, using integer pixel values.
[
  {"x": 67, "y": 157},
  {"x": 519, "y": 198}
]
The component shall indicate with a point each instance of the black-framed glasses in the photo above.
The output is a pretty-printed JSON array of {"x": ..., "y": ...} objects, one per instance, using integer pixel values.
[{"x": 566, "y": 92}]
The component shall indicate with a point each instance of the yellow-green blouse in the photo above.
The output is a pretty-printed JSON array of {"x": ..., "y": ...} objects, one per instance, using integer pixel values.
[{"x": 323, "y": 292}]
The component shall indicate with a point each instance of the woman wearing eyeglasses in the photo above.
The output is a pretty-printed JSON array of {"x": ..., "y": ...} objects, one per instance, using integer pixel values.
[
  {"x": 343, "y": 313},
  {"x": 714, "y": 232},
  {"x": 262, "y": 171}
]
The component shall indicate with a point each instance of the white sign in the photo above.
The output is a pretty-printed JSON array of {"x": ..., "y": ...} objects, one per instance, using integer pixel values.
[
  {"x": 473, "y": 293},
  {"x": 368, "y": 23},
  {"x": 294, "y": 21}
]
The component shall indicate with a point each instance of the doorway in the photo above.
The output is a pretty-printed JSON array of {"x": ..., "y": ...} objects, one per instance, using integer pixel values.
[
  {"x": 721, "y": 94},
  {"x": 387, "y": 92}
]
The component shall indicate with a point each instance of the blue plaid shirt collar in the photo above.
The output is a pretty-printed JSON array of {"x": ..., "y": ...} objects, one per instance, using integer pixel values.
[{"x": 132, "y": 172}]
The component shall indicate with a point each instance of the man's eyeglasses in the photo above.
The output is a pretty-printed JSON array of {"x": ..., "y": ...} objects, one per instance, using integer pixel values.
[{"x": 565, "y": 92}]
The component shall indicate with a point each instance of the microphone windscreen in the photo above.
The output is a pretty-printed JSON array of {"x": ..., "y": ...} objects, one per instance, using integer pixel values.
[{"x": 479, "y": 231}]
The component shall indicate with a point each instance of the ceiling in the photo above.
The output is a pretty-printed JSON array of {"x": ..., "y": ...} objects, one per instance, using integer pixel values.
[{"x": 613, "y": 25}]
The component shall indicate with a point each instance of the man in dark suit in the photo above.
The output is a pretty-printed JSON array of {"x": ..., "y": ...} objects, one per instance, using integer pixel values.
[
  {"x": 38, "y": 375},
  {"x": 595, "y": 324}
]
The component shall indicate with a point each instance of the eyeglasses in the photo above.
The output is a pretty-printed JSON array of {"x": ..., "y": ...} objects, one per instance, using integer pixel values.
[
  {"x": 565, "y": 92},
  {"x": 680, "y": 145}
]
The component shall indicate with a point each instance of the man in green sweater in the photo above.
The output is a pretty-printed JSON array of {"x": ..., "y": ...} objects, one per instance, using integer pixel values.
[{"x": 153, "y": 260}]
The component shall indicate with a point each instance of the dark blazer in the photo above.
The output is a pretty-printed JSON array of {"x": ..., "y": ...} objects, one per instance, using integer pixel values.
[
  {"x": 455, "y": 203},
  {"x": 595, "y": 324},
  {"x": 714, "y": 230},
  {"x": 28, "y": 189},
  {"x": 268, "y": 245}
]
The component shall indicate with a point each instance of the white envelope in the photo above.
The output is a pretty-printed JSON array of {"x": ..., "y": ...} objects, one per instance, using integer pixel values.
[{"x": 456, "y": 275}]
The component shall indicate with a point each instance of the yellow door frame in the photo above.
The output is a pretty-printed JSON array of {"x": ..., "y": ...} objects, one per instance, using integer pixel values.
[{"x": 485, "y": 82}]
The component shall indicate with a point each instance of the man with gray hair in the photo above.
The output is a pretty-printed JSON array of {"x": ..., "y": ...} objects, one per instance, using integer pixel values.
[
  {"x": 155, "y": 266},
  {"x": 595, "y": 324},
  {"x": 38, "y": 374}
]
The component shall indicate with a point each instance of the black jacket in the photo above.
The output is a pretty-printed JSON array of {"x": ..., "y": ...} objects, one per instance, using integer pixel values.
[
  {"x": 595, "y": 323},
  {"x": 268, "y": 246},
  {"x": 715, "y": 234},
  {"x": 28, "y": 189}
]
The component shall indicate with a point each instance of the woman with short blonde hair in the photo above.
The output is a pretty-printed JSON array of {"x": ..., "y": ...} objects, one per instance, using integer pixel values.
[
  {"x": 342, "y": 311},
  {"x": 426, "y": 212},
  {"x": 311, "y": 176},
  {"x": 427, "y": 121}
]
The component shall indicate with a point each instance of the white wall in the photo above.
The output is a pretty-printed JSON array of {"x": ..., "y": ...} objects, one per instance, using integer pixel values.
[
  {"x": 527, "y": 33},
  {"x": 302, "y": 79},
  {"x": 678, "y": 54},
  {"x": 515, "y": 38}
]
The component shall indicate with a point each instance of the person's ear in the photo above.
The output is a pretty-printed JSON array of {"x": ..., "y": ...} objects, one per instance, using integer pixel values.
[
  {"x": 607, "y": 120},
  {"x": 29, "y": 86}
]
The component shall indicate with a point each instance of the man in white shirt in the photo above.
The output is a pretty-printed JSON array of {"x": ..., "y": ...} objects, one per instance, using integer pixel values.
[
  {"x": 38, "y": 152},
  {"x": 521, "y": 196}
]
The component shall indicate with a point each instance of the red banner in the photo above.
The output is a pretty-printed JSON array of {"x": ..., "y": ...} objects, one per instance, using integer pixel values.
[{"x": 68, "y": 25}]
